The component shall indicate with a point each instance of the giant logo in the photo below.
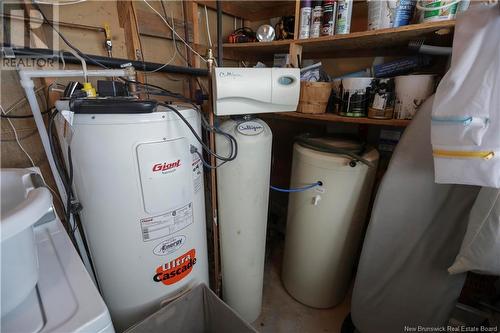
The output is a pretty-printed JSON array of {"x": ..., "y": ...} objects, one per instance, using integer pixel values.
[
  {"x": 166, "y": 166},
  {"x": 177, "y": 269}
]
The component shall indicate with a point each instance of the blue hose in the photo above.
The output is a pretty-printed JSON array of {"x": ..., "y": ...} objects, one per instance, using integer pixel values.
[{"x": 299, "y": 189}]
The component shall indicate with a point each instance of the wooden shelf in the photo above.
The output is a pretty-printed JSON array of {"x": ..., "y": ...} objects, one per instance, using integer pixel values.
[
  {"x": 377, "y": 42},
  {"x": 254, "y": 10},
  {"x": 392, "y": 41},
  {"x": 333, "y": 118}
]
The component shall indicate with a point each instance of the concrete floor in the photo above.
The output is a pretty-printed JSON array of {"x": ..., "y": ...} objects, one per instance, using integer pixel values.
[{"x": 283, "y": 314}]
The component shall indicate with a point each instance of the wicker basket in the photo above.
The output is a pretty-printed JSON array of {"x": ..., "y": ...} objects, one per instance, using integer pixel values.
[{"x": 314, "y": 96}]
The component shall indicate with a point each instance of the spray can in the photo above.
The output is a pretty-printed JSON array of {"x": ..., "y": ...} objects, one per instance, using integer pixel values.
[
  {"x": 329, "y": 15},
  {"x": 316, "y": 19},
  {"x": 404, "y": 12},
  {"x": 344, "y": 13},
  {"x": 380, "y": 14},
  {"x": 305, "y": 19}
]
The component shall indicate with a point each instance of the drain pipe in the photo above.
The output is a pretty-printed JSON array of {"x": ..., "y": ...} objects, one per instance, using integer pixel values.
[{"x": 29, "y": 89}]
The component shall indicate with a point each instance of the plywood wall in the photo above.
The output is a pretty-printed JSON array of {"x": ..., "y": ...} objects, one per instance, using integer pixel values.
[{"x": 95, "y": 14}]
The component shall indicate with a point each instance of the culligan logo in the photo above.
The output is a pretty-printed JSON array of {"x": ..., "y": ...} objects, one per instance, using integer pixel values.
[{"x": 250, "y": 128}]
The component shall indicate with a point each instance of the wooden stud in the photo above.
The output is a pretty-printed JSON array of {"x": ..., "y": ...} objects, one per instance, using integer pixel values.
[
  {"x": 253, "y": 10},
  {"x": 128, "y": 21},
  {"x": 295, "y": 55},
  {"x": 297, "y": 20},
  {"x": 192, "y": 17}
]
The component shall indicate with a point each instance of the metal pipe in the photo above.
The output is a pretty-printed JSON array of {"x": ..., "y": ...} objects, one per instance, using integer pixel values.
[
  {"x": 33, "y": 20},
  {"x": 109, "y": 62},
  {"x": 27, "y": 74}
]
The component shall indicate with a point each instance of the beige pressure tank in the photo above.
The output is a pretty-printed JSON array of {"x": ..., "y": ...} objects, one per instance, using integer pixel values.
[{"x": 325, "y": 224}]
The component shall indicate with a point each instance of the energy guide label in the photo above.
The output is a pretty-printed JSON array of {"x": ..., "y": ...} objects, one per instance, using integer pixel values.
[{"x": 166, "y": 224}]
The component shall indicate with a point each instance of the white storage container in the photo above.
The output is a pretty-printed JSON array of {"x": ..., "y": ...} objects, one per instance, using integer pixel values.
[
  {"x": 325, "y": 224},
  {"x": 22, "y": 206}
]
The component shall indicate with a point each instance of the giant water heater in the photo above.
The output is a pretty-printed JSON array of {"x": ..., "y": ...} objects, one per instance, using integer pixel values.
[
  {"x": 142, "y": 194},
  {"x": 243, "y": 184}
]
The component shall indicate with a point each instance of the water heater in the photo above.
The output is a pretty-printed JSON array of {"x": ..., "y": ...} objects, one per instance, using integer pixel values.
[
  {"x": 143, "y": 213},
  {"x": 243, "y": 184}
]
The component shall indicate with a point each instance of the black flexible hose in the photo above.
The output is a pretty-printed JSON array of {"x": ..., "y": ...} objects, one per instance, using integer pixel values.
[{"x": 234, "y": 150}]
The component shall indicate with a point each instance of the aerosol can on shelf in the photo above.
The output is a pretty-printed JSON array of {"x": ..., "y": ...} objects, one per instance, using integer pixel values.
[{"x": 344, "y": 13}]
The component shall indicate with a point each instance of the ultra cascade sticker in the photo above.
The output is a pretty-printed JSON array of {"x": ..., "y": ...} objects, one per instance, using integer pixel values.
[
  {"x": 170, "y": 245},
  {"x": 177, "y": 269}
]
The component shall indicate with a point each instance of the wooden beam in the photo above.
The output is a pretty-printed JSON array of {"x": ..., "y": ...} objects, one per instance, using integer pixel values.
[
  {"x": 248, "y": 9},
  {"x": 192, "y": 18},
  {"x": 296, "y": 27},
  {"x": 128, "y": 21}
]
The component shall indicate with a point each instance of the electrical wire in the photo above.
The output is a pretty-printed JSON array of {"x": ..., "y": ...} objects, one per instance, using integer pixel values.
[
  {"x": 208, "y": 27},
  {"x": 58, "y": 3},
  {"x": 205, "y": 163},
  {"x": 37, "y": 7},
  {"x": 61, "y": 55},
  {"x": 84, "y": 64},
  {"x": 206, "y": 125},
  {"x": 233, "y": 143},
  {"x": 174, "y": 32},
  {"x": 298, "y": 189},
  {"x": 17, "y": 137},
  {"x": 66, "y": 177},
  {"x": 173, "y": 40}
]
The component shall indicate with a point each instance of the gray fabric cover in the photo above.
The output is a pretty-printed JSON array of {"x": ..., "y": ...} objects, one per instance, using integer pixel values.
[
  {"x": 198, "y": 311},
  {"x": 414, "y": 235},
  {"x": 480, "y": 251}
]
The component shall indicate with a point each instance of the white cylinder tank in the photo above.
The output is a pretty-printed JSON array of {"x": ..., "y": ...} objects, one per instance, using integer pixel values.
[
  {"x": 243, "y": 194},
  {"x": 325, "y": 224},
  {"x": 143, "y": 206}
]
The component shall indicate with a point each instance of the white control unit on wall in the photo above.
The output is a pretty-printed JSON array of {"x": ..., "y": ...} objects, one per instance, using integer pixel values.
[{"x": 240, "y": 91}]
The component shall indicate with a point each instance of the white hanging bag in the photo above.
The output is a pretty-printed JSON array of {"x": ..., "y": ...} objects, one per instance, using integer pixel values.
[{"x": 465, "y": 130}]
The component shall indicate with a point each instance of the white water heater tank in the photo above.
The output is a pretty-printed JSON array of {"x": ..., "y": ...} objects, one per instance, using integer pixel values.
[
  {"x": 143, "y": 213},
  {"x": 243, "y": 195},
  {"x": 325, "y": 224}
]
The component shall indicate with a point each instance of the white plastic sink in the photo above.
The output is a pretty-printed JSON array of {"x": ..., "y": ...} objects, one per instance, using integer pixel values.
[{"x": 22, "y": 205}]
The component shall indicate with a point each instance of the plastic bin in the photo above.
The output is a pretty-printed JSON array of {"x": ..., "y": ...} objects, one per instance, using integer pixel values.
[{"x": 197, "y": 311}]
